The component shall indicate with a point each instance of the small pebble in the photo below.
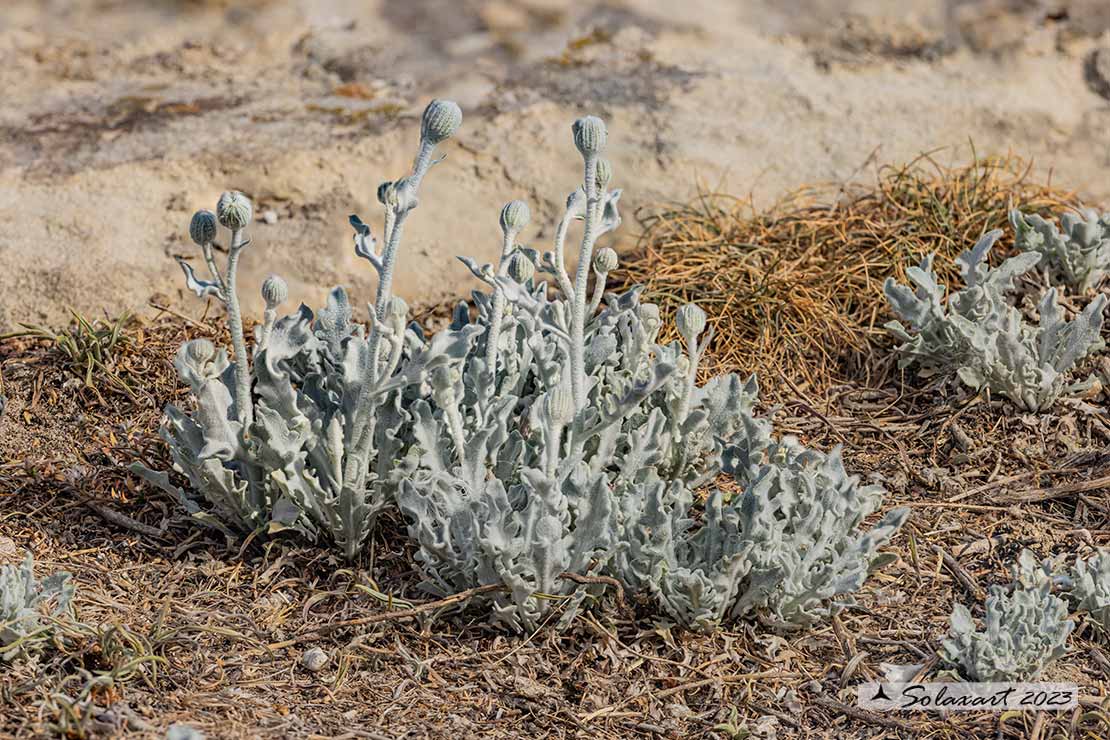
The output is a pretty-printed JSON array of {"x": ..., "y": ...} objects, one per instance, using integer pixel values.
[
  {"x": 183, "y": 732},
  {"x": 314, "y": 660},
  {"x": 270, "y": 216}
]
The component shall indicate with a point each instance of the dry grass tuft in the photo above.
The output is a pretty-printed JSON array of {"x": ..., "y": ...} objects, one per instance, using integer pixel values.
[{"x": 797, "y": 289}]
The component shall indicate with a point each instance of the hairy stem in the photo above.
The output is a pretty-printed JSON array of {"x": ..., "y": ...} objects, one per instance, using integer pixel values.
[
  {"x": 269, "y": 316},
  {"x": 493, "y": 334},
  {"x": 394, "y": 225},
  {"x": 211, "y": 262},
  {"x": 581, "y": 280},
  {"x": 243, "y": 406},
  {"x": 552, "y": 443},
  {"x": 561, "y": 276},
  {"x": 691, "y": 382},
  {"x": 455, "y": 426},
  {"x": 599, "y": 291}
]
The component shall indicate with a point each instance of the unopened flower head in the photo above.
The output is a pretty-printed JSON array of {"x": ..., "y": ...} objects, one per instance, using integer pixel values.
[
  {"x": 521, "y": 269},
  {"x": 604, "y": 173},
  {"x": 398, "y": 308},
  {"x": 275, "y": 291},
  {"x": 606, "y": 260},
  {"x": 590, "y": 135},
  {"x": 202, "y": 228},
  {"x": 440, "y": 121},
  {"x": 201, "y": 350},
  {"x": 234, "y": 210},
  {"x": 515, "y": 216},
  {"x": 690, "y": 320},
  {"x": 560, "y": 404}
]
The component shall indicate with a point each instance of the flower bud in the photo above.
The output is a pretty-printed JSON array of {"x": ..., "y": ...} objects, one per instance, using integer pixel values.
[
  {"x": 234, "y": 210},
  {"x": 605, "y": 261},
  {"x": 398, "y": 309},
  {"x": 690, "y": 320},
  {"x": 200, "y": 351},
  {"x": 521, "y": 268},
  {"x": 515, "y": 216},
  {"x": 560, "y": 404},
  {"x": 440, "y": 121},
  {"x": 604, "y": 173},
  {"x": 274, "y": 291},
  {"x": 589, "y": 135},
  {"x": 202, "y": 229}
]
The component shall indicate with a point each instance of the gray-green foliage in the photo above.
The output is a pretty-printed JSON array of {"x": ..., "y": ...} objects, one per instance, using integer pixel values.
[
  {"x": 307, "y": 432},
  {"x": 790, "y": 542},
  {"x": 25, "y": 602},
  {"x": 977, "y": 334},
  {"x": 1091, "y": 587},
  {"x": 1077, "y": 252},
  {"x": 545, "y": 433},
  {"x": 1024, "y": 630},
  {"x": 571, "y": 441}
]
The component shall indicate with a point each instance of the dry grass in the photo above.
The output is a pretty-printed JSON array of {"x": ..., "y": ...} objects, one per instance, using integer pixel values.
[
  {"x": 797, "y": 289},
  {"x": 209, "y": 632}
]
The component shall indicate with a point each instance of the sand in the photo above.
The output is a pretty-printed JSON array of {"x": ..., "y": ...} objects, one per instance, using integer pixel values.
[{"x": 120, "y": 119}]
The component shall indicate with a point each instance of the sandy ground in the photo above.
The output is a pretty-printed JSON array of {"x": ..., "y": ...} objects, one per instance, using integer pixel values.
[{"x": 121, "y": 118}]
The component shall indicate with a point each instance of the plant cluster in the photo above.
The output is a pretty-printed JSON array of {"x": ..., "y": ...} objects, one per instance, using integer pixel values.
[
  {"x": 1077, "y": 253},
  {"x": 544, "y": 443},
  {"x": 26, "y": 603},
  {"x": 1024, "y": 630},
  {"x": 977, "y": 334},
  {"x": 305, "y": 432},
  {"x": 1090, "y": 587}
]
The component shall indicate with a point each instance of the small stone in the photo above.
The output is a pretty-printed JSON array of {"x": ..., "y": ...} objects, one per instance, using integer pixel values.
[
  {"x": 269, "y": 216},
  {"x": 314, "y": 660},
  {"x": 183, "y": 732}
]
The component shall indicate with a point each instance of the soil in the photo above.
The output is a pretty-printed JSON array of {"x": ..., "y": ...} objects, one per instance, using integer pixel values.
[{"x": 122, "y": 118}]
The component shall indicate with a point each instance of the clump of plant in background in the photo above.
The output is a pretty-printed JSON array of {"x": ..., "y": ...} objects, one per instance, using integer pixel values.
[
  {"x": 89, "y": 348},
  {"x": 1090, "y": 587},
  {"x": 304, "y": 432},
  {"x": 1077, "y": 253},
  {"x": 790, "y": 543},
  {"x": 27, "y": 606},
  {"x": 1024, "y": 630},
  {"x": 977, "y": 334}
]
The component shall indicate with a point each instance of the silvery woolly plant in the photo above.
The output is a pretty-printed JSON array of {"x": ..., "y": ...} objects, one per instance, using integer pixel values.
[
  {"x": 305, "y": 431},
  {"x": 1090, "y": 587},
  {"x": 1025, "y": 629},
  {"x": 514, "y": 451},
  {"x": 1077, "y": 253},
  {"x": 25, "y": 601},
  {"x": 976, "y": 333},
  {"x": 789, "y": 546},
  {"x": 570, "y": 440}
]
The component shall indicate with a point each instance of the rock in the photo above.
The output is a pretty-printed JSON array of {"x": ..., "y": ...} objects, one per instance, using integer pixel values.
[
  {"x": 270, "y": 216},
  {"x": 314, "y": 660},
  {"x": 183, "y": 732}
]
